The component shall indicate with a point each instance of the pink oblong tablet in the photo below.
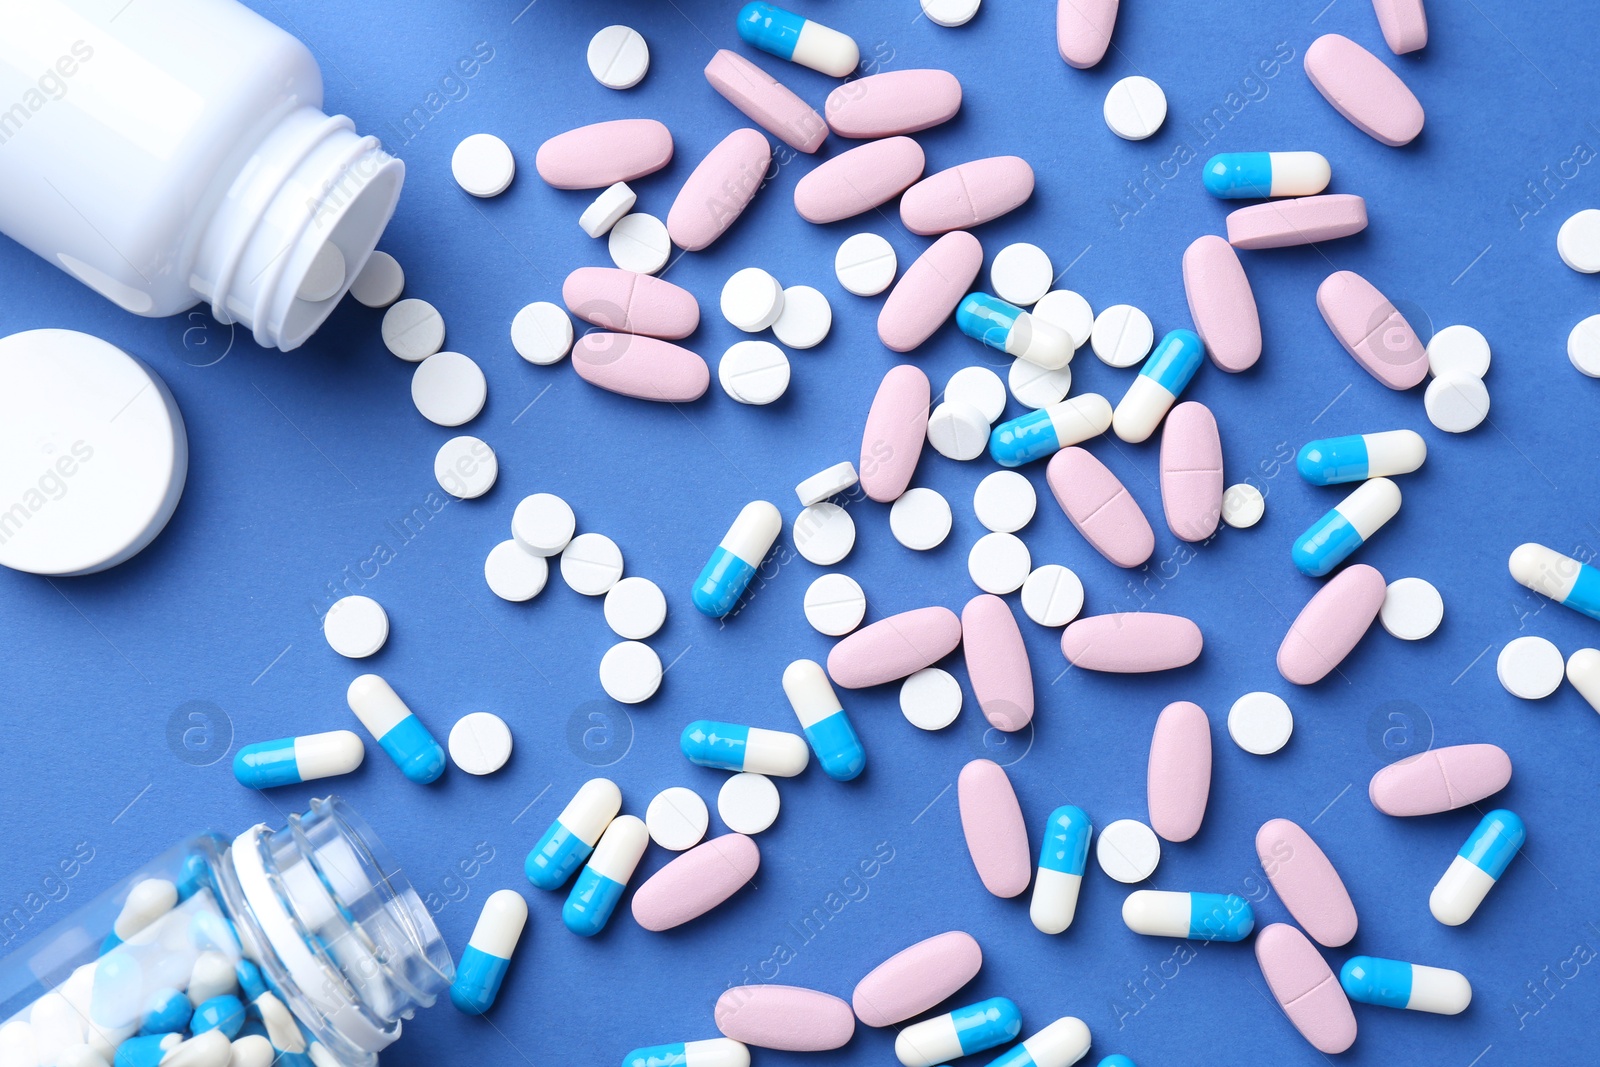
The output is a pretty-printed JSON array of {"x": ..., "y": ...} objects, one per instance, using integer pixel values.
[
  {"x": 1191, "y": 471},
  {"x": 1306, "y": 882},
  {"x": 991, "y": 820},
  {"x": 696, "y": 882},
  {"x": 1305, "y": 988},
  {"x": 893, "y": 648},
  {"x": 858, "y": 180},
  {"x": 897, "y": 425},
  {"x": 927, "y": 293},
  {"x": 1179, "y": 782},
  {"x": 1083, "y": 30},
  {"x": 641, "y": 367},
  {"x": 1299, "y": 220},
  {"x": 785, "y": 1017},
  {"x": 916, "y": 979},
  {"x": 1221, "y": 303},
  {"x": 602, "y": 154},
  {"x": 719, "y": 189},
  {"x": 894, "y": 102},
  {"x": 1133, "y": 642},
  {"x": 1376, "y": 335},
  {"x": 1404, "y": 24},
  {"x": 1331, "y": 624},
  {"x": 967, "y": 195},
  {"x": 1363, "y": 90},
  {"x": 631, "y": 303},
  {"x": 1101, "y": 507},
  {"x": 766, "y": 101},
  {"x": 1442, "y": 779},
  {"x": 997, "y": 663}
]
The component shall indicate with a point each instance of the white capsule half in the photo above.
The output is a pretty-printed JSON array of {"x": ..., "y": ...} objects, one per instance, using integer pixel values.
[
  {"x": 1041, "y": 343},
  {"x": 1438, "y": 990},
  {"x": 929, "y": 1042},
  {"x": 1373, "y": 504},
  {"x": 1055, "y": 900},
  {"x": 1061, "y": 1044},
  {"x": 591, "y": 809},
  {"x": 1583, "y": 671},
  {"x": 753, "y": 532},
  {"x": 500, "y": 923},
  {"x": 620, "y": 849},
  {"x": 1157, "y": 914},
  {"x": 147, "y": 901},
  {"x": 775, "y": 753},
  {"x": 376, "y": 704},
  {"x": 715, "y": 1052},
  {"x": 1080, "y": 418},
  {"x": 810, "y": 693},
  {"x": 1459, "y": 892}
]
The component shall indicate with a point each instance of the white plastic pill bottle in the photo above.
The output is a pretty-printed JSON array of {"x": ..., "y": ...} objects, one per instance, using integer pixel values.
[
  {"x": 312, "y": 928},
  {"x": 171, "y": 152}
]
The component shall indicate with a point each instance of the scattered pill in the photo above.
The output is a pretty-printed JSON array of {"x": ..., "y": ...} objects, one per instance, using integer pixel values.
[
  {"x": 1531, "y": 667},
  {"x": 957, "y": 430},
  {"x": 465, "y": 467},
  {"x": 920, "y": 519},
  {"x": 997, "y": 663},
  {"x": 1007, "y": 328},
  {"x": 1005, "y": 501},
  {"x": 713, "y": 1052},
  {"x": 635, "y": 608},
  {"x": 896, "y": 428},
  {"x": 1561, "y": 578},
  {"x": 1196, "y": 916},
  {"x": 413, "y": 330},
  {"x": 591, "y": 564},
  {"x": 291, "y": 760},
  {"x": 963, "y": 1032},
  {"x": 996, "y": 835},
  {"x": 894, "y": 647},
  {"x": 1489, "y": 850},
  {"x": 1047, "y": 431},
  {"x": 1410, "y": 986},
  {"x": 1459, "y": 351},
  {"x": 631, "y": 303},
  {"x": 573, "y": 833},
  {"x": 859, "y": 180},
  {"x": 1135, "y": 108},
  {"x": 396, "y": 729},
  {"x": 691, "y": 885},
  {"x": 1191, "y": 472},
  {"x": 748, "y": 803},
  {"x": 1036, "y": 387},
  {"x": 981, "y": 388},
  {"x": 543, "y": 524},
  {"x": 1368, "y": 327},
  {"x": 798, "y": 39},
  {"x": 1358, "y": 457},
  {"x": 718, "y": 190},
  {"x": 806, "y": 317},
  {"x": 1128, "y": 851},
  {"x": 604, "y": 153},
  {"x": 480, "y": 743},
  {"x": 600, "y": 885},
  {"x": 677, "y": 818},
  {"x": 752, "y": 299},
  {"x": 1302, "y": 220},
  {"x": 1063, "y": 858},
  {"x": 1179, "y": 771},
  {"x": 1021, "y": 274},
  {"x": 1365, "y": 91},
  {"x": 1083, "y": 30},
  {"x": 1440, "y": 779},
  {"x": 542, "y": 333},
  {"x": 1456, "y": 403},
  {"x": 1583, "y": 671},
  {"x": 356, "y": 626},
  {"x": 325, "y": 277},
  {"x": 785, "y": 1017},
  {"x": 513, "y": 573},
  {"x": 639, "y": 242},
  {"x": 999, "y": 563},
  {"x": 733, "y": 562},
  {"x": 1306, "y": 882},
  {"x": 607, "y": 209},
  {"x": 1347, "y": 526},
  {"x": 1100, "y": 507},
  {"x": 1069, "y": 311},
  {"x": 449, "y": 389},
  {"x": 1221, "y": 303},
  {"x": 754, "y": 372},
  {"x": 618, "y": 57},
  {"x": 1305, "y": 988},
  {"x": 379, "y": 283},
  {"x": 865, "y": 264},
  {"x": 1260, "y": 723},
  {"x": 824, "y": 533},
  {"x": 929, "y": 291},
  {"x": 1405, "y": 29},
  {"x": 1243, "y": 505},
  {"x": 1132, "y": 642},
  {"x": 930, "y": 699},
  {"x": 967, "y": 195},
  {"x": 483, "y": 165},
  {"x": 827, "y": 483},
  {"x": 727, "y": 746},
  {"x": 1253, "y": 175},
  {"x": 835, "y": 604},
  {"x": 950, "y": 13},
  {"x": 1162, "y": 379},
  {"x": 769, "y": 104},
  {"x": 1052, "y": 595},
  {"x": 1412, "y": 609},
  {"x": 1331, "y": 624},
  {"x": 827, "y": 728},
  {"x": 645, "y": 368},
  {"x": 1122, "y": 335},
  {"x": 893, "y": 103},
  {"x": 1578, "y": 241},
  {"x": 1583, "y": 347}
]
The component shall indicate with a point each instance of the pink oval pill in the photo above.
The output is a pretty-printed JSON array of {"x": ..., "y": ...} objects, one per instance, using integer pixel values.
[
  {"x": 1179, "y": 782},
  {"x": 766, "y": 101},
  {"x": 1363, "y": 90},
  {"x": 1083, "y": 30},
  {"x": 1221, "y": 303},
  {"x": 1442, "y": 779},
  {"x": 893, "y": 648},
  {"x": 1376, "y": 335},
  {"x": 991, "y": 820},
  {"x": 602, "y": 154},
  {"x": 927, "y": 293},
  {"x": 1306, "y": 882},
  {"x": 894, "y": 102},
  {"x": 641, "y": 367},
  {"x": 1101, "y": 507},
  {"x": 1404, "y": 24},
  {"x": 897, "y": 425},
  {"x": 1331, "y": 624},
  {"x": 1300, "y": 220},
  {"x": 696, "y": 882},
  {"x": 997, "y": 663},
  {"x": 858, "y": 180},
  {"x": 631, "y": 303},
  {"x": 967, "y": 195},
  {"x": 719, "y": 190},
  {"x": 1305, "y": 988},
  {"x": 916, "y": 979},
  {"x": 1133, "y": 642},
  {"x": 1191, "y": 471},
  {"x": 785, "y": 1017}
]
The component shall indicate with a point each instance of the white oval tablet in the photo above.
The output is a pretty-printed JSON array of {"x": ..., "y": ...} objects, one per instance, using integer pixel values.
[
  {"x": 950, "y": 13},
  {"x": 465, "y": 467},
  {"x": 1456, "y": 404},
  {"x": 630, "y": 672},
  {"x": 1459, "y": 351},
  {"x": 980, "y": 387},
  {"x": 751, "y": 299},
  {"x": 1005, "y": 501},
  {"x": 958, "y": 431},
  {"x": 835, "y": 604},
  {"x": 1122, "y": 335},
  {"x": 748, "y": 803},
  {"x": 607, "y": 209},
  {"x": 1128, "y": 851},
  {"x": 515, "y": 574},
  {"x": 356, "y": 626},
  {"x": 449, "y": 389},
  {"x": 1578, "y": 241},
  {"x": 325, "y": 277},
  {"x": 865, "y": 264},
  {"x": 480, "y": 743},
  {"x": 380, "y": 282},
  {"x": 591, "y": 564},
  {"x": 930, "y": 699},
  {"x": 1052, "y": 595},
  {"x": 806, "y": 317},
  {"x": 1412, "y": 609},
  {"x": 1068, "y": 311},
  {"x": 999, "y": 563},
  {"x": 1243, "y": 505},
  {"x": 618, "y": 57},
  {"x": 635, "y": 608},
  {"x": 542, "y": 333},
  {"x": 677, "y": 819},
  {"x": 1035, "y": 387},
  {"x": 1260, "y": 723},
  {"x": 413, "y": 330},
  {"x": 824, "y": 533},
  {"x": 1531, "y": 668},
  {"x": 483, "y": 165},
  {"x": 1135, "y": 108},
  {"x": 827, "y": 483},
  {"x": 543, "y": 524},
  {"x": 1021, "y": 273},
  {"x": 1583, "y": 346},
  {"x": 754, "y": 372},
  {"x": 639, "y": 243},
  {"x": 920, "y": 519}
]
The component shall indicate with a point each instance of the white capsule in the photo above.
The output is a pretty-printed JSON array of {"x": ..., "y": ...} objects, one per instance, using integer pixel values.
[
  {"x": 591, "y": 809},
  {"x": 775, "y": 753},
  {"x": 209, "y": 1049},
  {"x": 620, "y": 849},
  {"x": 500, "y": 924},
  {"x": 252, "y": 1050},
  {"x": 1583, "y": 671},
  {"x": 147, "y": 901},
  {"x": 282, "y": 1030},
  {"x": 212, "y": 975},
  {"x": 1061, "y": 1044},
  {"x": 1458, "y": 894}
]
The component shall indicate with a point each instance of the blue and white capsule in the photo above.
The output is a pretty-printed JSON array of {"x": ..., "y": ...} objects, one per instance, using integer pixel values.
[
  {"x": 1042, "y": 433},
  {"x": 717, "y": 1052},
  {"x": 1163, "y": 378},
  {"x": 1477, "y": 867},
  {"x": 1349, "y": 525},
  {"x": 147, "y": 1050},
  {"x": 603, "y": 879},
  {"x": 963, "y": 1032},
  {"x": 1395, "y": 984},
  {"x": 573, "y": 835},
  {"x": 728, "y": 572},
  {"x": 1561, "y": 578},
  {"x": 1334, "y": 460},
  {"x": 1249, "y": 175},
  {"x": 827, "y": 727},
  {"x": 292, "y": 760},
  {"x": 1061, "y": 1044},
  {"x": 1007, "y": 328},
  {"x": 1197, "y": 916},
  {"x": 397, "y": 731},
  {"x": 731, "y": 746},
  {"x": 488, "y": 954},
  {"x": 798, "y": 39},
  {"x": 1063, "y": 857}
]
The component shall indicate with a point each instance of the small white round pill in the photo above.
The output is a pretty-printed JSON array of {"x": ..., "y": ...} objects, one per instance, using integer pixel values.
[
  {"x": 1412, "y": 609},
  {"x": 1456, "y": 404},
  {"x": 356, "y": 626},
  {"x": 1135, "y": 108},
  {"x": 1067, "y": 311},
  {"x": 824, "y": 533},
  {"x": 748, "y": 803},
  {"x": 835, "y": 604},
  {"x": 607, "y": 209},
  {"x": 865, "y": 264},
  {"x": 1035, "y": 387},
  {"x": 1578, "y": 241},
  {"x": 1260, "y": 723},
  {"x": 480, "y": 743},
  {"x": 1243, "y": 505},
  {"x": 325, "y": 277},
  {"x": 1128, "y": 851},
  {"x": 543, "y": 524},
  {"x": 465, "y": 467},
  {"x": 1122, "y": 335},
  {"x": 1583, "y": 346},
  {"x": 806, "y": 317},
  {"x": 591, "y": 564},
  {"x": 1531, "y": 668},
  {"x": 827, "y": 483},
  {"x": 483, "y": 165},
  {"x": 751, "y": 299},
  {"x": 1460, "y": 351},
  {"x": 1052, "y": 595},
  {"x": 639, "y": 243},
  {"x": 630, "y": 672},
  {"x": 515, "y": 574},
  {"x": 920, "y": 519},
  {"x": 999, "y": 563},
  {"x": 449, "y": 389},
  {"x": 413, "y": 330},
  {"x": 677, "y": 818},
  {"x": 950, "y": 13},
  {"x": 754, "y": 372},
  {"x": 618, "y": 57},
  {"x": 542, "y": 333},
  {"x": 380, "y": 282},
  {"x": 1005, "y": 501},
  {"x": 930, "y": 699},
  {"x": 958, "y": 431},
  {"x": 980, "y": 387},
  {"x": 1021, "y": 273},
  {"x": 635, "y": 608}
]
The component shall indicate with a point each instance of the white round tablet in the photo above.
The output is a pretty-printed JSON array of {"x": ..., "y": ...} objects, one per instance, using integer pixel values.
[
  {"x": 591, "y": 564},
  {"x": 1531, "y": 668},
  {"x": 824, "y": 533},
  {"x": 1412, "y": 609},
  {"x": 1052, "y": 595},
  {"x": 356, "y": 626},
  {"x": 1005, "y": 501},
  {"x": 1135, "y": 108},
  {"x": 1243, "y": 505},
  {"x": 542, "y": 333},
  {"x": 958, "y": 431},
  {"x": 751, "y": 299},
  {"x": 639, "y": 243},
  {"x": 630, "y": 672},
  {"x": 515, "y": 574},
  {"x": 1128, "y": 851},
  {"x": 413, "y": 330},
  {"x": 543, "y": 524},
  {"x": 618, "y": 57},
  {"x": 1458, "y": 351},
  {"x": 930, "y": 699},
  {"x": 465, "y": 467},
  {"x": 1021, "y": 273},
  {"x": 1260, "y": 723},
  {"x": 1122, "y": 335},
  {"x": 380, "y": 282},
  {"x": 999, "y": 563},
  {"x": 950, "y": 13},
  {"x": 806, "y": 317},
  {"x": 754, "y": 372},
  {"x": 1068, "y": 311},
  {"x": 325, "y": 277},
  {"x": 1578, "y": 241},
  {"x": 1456, "y": 404},
  {"x": 635, "y": 608},
  {"x": 827, "y": 483},
  {"x": 483, "y": 165},
  {"x": 1583, "y": 346},
  {"x": 607, "y": 209},
  {"x": 835, "y": 605},
  {"x": 865, "y": 264},
  {"x": 920, "y": 519},
  {"x": 748, "y": 803},
  {"x": 980, "y": 387},
  {"x": 677, "y": 819},
  {"x": 449, "y": 389},
  {"x": 480, "y": 743},
  {"x": 1035, "y": 387}
]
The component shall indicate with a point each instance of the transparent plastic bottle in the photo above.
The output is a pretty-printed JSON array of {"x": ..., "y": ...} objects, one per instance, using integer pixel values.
[{"x": 312, "y": 927}]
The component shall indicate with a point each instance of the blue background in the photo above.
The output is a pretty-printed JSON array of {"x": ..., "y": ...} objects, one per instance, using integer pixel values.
[{"x": 305, "y": 464}]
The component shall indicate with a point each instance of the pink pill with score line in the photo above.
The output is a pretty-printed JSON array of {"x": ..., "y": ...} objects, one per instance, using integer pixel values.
[
  {"x": 1362, "y": 89},
  {"x": 927, "y": 294},
  {"x": 695, "y": 882},
  {"x": 1191, "y": 471},
  {"x": 766, "y": 101},
  {"x": 1083, "y": 30},
  {"x": 894, "y": 102},
  {"x": 1301, "y": 220},
  {"x": 1221, "y": 303},
  {"x": 631, "y": 303},
  {"x": 1306, "y": 882},
  {"x": 1331, "y": 624},
  {"x": 896, "y": 427},
  {"x": 1179, "y": 779},
  {"x": 894, "y": 648},
  {"x": 991, "y": 820},
  {"x": 917, "y": 978},
  {"x": 858, "y": 180},
  {"x": 785, "y": 1017},
  {"x": 1441, "y": 779},
  {"x": 719, "y": 189},
  {"x": 1369, "y": 327},
  {"x": 602, "y": 154},
  {"x": 997, "y": 663},
  {"x": 1305, "y": 988},
  {"x": 645, "y": 368},
  {"x": 1133, "y": 642},
  {"x": 967, "y": 195},
  {"x": 1100, "y": 507}
]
